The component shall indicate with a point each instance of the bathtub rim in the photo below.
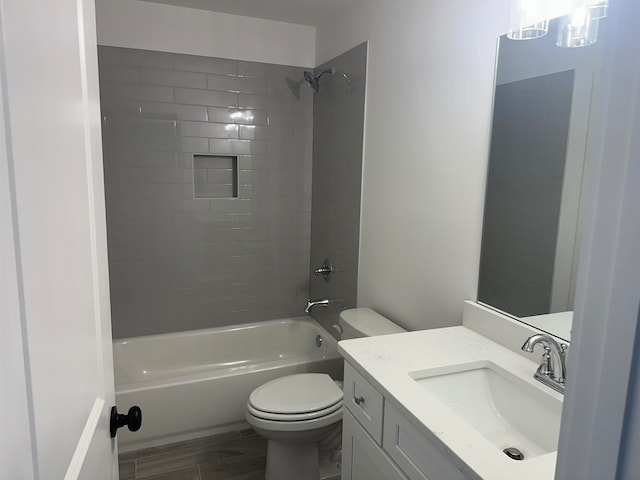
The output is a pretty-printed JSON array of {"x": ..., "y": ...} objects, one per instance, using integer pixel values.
[
  {"x": 231, "y": 371},
  {"x": 230, "y": 328}
]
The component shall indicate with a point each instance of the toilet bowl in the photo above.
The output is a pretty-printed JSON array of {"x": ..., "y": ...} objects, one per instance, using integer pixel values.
[
  {"x": 294, "y": 413},
  {"x": 299, "y": 413}
]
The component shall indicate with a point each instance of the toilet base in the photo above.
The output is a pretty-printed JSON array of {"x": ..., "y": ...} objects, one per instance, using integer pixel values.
[
  {"x": 292, "y": 461},
  {"x": 296, "y": 455}
]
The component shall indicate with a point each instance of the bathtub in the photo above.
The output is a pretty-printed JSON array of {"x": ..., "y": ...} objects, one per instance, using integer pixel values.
[{"x": 191, "y": 384}]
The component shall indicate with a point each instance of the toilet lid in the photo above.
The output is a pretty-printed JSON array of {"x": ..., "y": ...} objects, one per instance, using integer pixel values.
[{"x": 301, "y": 393}]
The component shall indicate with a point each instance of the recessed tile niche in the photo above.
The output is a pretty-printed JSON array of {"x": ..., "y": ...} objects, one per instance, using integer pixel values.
[{"x": 215, "y": 176}]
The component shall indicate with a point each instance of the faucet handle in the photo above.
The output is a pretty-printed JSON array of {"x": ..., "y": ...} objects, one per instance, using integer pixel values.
[{"x": 545, "y": 367}]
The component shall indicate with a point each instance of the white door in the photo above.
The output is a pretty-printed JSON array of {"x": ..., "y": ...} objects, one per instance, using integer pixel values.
[{"x": 55, "y": 344}]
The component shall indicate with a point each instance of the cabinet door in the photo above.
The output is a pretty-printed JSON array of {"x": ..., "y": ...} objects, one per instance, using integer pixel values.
[
  {"x": 362, "y": 458},
  {"x": 417, "y": 456}
]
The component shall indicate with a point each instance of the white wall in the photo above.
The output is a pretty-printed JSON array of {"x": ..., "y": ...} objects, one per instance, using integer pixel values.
[
  {"x": 428, "y": 114},
  {"x": 151, "y": 26}
]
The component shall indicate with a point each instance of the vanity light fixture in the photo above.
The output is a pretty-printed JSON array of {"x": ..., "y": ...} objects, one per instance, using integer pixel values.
[
  {"x": 580, "y": 28},
  {"x": 528, "y": 19}
]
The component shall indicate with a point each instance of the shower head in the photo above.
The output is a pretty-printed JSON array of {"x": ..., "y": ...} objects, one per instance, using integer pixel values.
[{"x": 314, "y": 81}]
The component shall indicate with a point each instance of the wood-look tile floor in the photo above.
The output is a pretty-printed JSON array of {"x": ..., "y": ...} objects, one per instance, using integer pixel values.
[{"x": 230, "y": 456}]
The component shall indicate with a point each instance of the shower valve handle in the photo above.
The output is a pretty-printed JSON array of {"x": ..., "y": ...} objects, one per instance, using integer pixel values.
[
  {"x": 133, "y": 420},
  {"x": 325, "y": 270}
]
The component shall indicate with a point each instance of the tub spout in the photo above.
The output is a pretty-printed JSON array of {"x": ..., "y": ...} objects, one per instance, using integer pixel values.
[{"x": 310, "y": 304}]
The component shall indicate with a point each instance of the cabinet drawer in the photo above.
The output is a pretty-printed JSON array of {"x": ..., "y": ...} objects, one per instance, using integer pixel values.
[
  {"x": 364, "y": 402},
  {"x": 416, "y": 455}
]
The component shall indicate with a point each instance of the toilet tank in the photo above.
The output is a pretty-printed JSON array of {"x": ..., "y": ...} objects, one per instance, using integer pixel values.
[{"x": 364, "y": 322}]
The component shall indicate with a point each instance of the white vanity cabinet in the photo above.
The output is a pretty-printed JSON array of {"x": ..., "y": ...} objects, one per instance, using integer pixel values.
[
  {"x": 362, "y": 458},
  {"x": 379, "y": 443}
]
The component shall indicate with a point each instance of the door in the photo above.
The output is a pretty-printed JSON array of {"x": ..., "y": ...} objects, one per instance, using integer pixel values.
[{"x": 55, "y": 346}]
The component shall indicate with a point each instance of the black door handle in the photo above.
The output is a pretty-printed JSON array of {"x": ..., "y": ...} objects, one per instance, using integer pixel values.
[{"x": 133, "y": 420}]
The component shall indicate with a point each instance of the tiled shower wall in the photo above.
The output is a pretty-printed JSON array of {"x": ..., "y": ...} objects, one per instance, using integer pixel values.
[
  {"x": 180, "y": 263},
  {"x": 338, "y": 127}
]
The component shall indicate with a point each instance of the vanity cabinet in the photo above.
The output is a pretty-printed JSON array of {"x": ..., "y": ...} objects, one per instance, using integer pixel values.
[
  {"x": 379, "y": 443},
  {"x": 362, "y": 458}
]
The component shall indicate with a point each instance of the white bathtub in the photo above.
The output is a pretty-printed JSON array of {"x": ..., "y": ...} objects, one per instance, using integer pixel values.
[{"x": 190, "y": 384}]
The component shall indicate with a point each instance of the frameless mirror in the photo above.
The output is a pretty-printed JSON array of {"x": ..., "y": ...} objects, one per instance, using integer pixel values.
[{"x": 537, "y": 167}]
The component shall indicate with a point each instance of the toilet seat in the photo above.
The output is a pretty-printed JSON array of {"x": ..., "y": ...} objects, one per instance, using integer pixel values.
[
  {"x": 297, "y": 426},
  {"x": 293, "y": 417},
  {"x": 307, "y": 394}
]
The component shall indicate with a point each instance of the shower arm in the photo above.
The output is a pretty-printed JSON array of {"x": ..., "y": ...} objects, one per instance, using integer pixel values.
[{"x": 332, "y": 71}]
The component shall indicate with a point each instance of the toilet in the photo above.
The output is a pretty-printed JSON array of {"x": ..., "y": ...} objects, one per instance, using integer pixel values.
[{"x": 299, "y": 414}]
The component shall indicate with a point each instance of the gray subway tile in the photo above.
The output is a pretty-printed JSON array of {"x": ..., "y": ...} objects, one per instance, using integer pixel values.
[
  {"x": 139, "y": 126},
  {"x": 173, "y": 78},
  {"x": 223, "y": 83},
  {"x": 199, "y": 175},
  {"x": 233, "y": 205},
  {"x": 160, "y": 222},
  {"x": 185, "y": 160},
  {"x": 148, "y": 190},
  {"x": 168, "y": 175},
  {"x": 205, "y": 162},
  {"x": 165, "y": 206},
  {"x": 266, "y": 162},
  {"x": 283, "y": 119},
  {"x": 237, "y": 84},
  {"x": 118, "y": 73},
  {"x": 117, "y": 207},
  {"x": 219, "y": 176},
  {"x": 222, "y": 114},
  {"x": 269, "y": 70},
  {"x": 240, "y": 116},
  {"x": 173, "y": 111},
  {"x": 208, "y": 130},
  {"x": 131, "y": 56},
  {"x": 140, "y": 159},
  {"x": 252, "y": 85},
  {"x": 119, "y": 108},
  {"x": 205, "y": 97},
  {"x": 252, "y": 177},
  {"x": 171, "y": 144},
  {"x": 265, "y": 102},
  {"x": 276, "y": 147},
  {"x": 193, "y": 63},
  {"x": 114, "y": 175},
  {"x": 237, "y": 147},
  {"x": 125, "y": 91},
  {"x": 213, "y": 191},
  {"x": 255, "y": 132},
  {"x": 266, "y": 191}
]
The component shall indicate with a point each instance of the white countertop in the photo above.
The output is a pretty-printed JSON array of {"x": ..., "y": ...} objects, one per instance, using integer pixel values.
[{"x": 385, "y": 361}]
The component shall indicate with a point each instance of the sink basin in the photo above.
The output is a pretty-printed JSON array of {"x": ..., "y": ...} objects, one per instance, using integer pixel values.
[{"x": 508, "y": 411}]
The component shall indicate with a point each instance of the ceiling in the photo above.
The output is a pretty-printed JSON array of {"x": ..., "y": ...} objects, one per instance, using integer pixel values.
[{"x": 304, "y": 12}]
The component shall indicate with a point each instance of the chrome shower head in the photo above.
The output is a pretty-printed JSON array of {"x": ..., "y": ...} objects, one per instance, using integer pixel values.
[{"x": 314, "y": 81}]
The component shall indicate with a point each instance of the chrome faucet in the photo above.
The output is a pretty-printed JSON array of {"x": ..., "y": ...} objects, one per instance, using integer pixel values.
[
  {"x": 322, "y": 303},
  {"x": 553, "y": 368}
]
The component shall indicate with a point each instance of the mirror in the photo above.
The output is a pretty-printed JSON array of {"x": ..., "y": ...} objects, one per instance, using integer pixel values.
[{"x": 537, "y": 167}]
